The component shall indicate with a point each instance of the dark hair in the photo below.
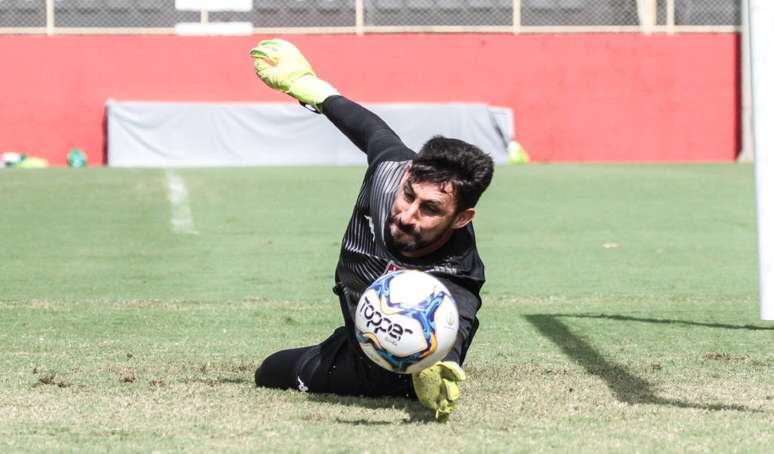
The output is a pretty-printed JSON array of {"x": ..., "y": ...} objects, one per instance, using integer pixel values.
[{"x": 442, "y": 160}]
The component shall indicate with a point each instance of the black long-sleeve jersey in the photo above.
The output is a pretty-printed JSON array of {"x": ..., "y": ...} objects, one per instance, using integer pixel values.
[{"x": 365, "y": 255}]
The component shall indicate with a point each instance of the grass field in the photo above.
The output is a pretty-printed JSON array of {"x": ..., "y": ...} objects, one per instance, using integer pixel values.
[{"x": 620, "y": 314}]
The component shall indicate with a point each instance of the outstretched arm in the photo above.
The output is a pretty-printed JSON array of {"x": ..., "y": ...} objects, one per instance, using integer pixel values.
[
  {"x": 366, "y": 130},
  {"x": 281, "y": 66},
  {"x": 436, "y": 387},
  {"x": 468, "y": 304}
]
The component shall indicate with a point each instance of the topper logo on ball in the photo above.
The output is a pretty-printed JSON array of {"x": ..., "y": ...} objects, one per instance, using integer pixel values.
[{"x": 382, "y": 323}]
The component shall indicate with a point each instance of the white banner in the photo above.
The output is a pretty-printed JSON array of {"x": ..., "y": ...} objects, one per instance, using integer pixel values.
[{"x": 176, "y": 134}]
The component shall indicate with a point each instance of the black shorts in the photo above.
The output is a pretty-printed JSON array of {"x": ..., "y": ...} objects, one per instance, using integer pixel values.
[{"x": 336, "y": 366}]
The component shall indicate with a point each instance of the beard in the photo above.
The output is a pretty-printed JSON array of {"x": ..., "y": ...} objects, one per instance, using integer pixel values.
[{"x": 414, "y": 244}]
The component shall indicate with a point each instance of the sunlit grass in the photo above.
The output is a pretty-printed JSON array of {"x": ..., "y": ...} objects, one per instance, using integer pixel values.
[{"x": 620, "y": 314}]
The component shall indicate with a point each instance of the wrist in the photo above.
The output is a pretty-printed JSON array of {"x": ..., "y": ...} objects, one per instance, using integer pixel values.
[{"x": 312, "y": 90}]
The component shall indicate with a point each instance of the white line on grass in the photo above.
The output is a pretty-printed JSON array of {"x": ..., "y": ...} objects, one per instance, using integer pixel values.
[{"x": 177, "y": 192}]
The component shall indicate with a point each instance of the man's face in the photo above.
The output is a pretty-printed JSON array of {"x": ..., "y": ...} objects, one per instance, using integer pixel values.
[{"x": 423, "y": 217}]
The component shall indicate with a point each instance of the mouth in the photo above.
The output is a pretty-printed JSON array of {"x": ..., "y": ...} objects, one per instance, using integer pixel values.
[
  {"x": 403, "y": 238},
  {"x": 404, "y": 235}
]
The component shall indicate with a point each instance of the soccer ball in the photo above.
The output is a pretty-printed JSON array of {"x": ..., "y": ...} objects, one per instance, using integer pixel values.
[{"x": 406, "y": 321}]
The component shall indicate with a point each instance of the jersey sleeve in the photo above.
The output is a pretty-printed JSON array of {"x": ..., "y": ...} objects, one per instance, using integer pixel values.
[
  {"x": 366, "y": 130},
  {"x": 468, "y": 304}
]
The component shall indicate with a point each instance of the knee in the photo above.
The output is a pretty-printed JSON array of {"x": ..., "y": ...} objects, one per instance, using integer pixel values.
[
  {"x": 275, "y": 372},
  {"x": 265, "y": 375}
]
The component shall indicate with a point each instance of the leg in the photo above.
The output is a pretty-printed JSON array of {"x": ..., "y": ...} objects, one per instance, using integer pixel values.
[
  {"x": 345, "y": 370},
  {"x": 335, "y": 366},
  {"x": 323, "y": 368},
  {"x": 280, "y": 370}
]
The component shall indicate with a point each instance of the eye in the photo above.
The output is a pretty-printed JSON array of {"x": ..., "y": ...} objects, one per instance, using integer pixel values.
[
  {"x": 431, "y": 210},
  {"x": 409, "y": 196}
]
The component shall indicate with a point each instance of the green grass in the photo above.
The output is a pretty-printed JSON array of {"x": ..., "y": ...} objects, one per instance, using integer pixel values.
[{"x": 620, "y": 314}]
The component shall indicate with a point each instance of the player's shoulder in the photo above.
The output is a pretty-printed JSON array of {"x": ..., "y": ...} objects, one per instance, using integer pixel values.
[
  {"x": 386, "y": 175},
  {"x": 389, "y": 166},
  {"x": 395, "y": 153}
]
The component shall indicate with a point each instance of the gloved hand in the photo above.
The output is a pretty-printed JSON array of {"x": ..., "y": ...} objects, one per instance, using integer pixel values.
[
  {"x": 281, "y": 66},
  {"x": 436, "y": 387}
]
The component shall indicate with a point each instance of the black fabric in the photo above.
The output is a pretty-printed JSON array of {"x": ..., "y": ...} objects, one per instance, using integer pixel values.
[
  {"x": 336, "y": 366},
  {"x": 283, "y": 369},
  {"x": 468, "y": 304}
]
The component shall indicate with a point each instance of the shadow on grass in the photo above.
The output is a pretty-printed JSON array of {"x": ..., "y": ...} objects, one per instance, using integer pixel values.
[
  {"x": 626, "y": 318},
  {"x": 416, "y": 412},
  {"x": 626, "y": 386}
]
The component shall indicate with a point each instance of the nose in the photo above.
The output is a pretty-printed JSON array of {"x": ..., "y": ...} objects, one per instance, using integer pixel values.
[{"x": 410, "y": 214}]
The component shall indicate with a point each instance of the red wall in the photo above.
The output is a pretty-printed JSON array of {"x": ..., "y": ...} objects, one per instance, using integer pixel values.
[{"x": 576, "y": 97}]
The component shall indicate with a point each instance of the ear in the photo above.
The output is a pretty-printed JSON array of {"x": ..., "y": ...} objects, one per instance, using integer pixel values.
[{"x": 463, "y": 218}]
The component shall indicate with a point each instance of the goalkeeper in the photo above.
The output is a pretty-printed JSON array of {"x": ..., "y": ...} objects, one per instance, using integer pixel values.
[{"x": 414, "y": 211}]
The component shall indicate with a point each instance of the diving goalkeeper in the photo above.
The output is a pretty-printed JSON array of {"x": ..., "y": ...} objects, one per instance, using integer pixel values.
[{"x": 414, "y": 211}]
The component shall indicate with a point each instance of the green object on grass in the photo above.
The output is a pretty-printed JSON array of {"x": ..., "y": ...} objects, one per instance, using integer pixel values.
[
  {"x": 32, "y": 162},
  {"x": 517, "y": 154},
  {"x": 76, "y": 158}
]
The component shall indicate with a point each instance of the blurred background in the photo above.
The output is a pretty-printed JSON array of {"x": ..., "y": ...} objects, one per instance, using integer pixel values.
[{"x": 580, "y": 80}]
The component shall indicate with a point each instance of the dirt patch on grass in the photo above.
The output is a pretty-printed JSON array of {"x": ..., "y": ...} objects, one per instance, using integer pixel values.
[
  {"x": 49, "y": 378},
  {"x": 124, "y": 374},
  {"x": 47, "y": 305},
  {"x": 207, "y": 381},
  {"x": 240, "y": 367},
  {"x": 726, "y": 357}
]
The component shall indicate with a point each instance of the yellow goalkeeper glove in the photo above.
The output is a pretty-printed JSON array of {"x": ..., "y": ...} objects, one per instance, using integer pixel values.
[
  {"x": 436, "y": 387},
  {"x": 281, "y": 66}
]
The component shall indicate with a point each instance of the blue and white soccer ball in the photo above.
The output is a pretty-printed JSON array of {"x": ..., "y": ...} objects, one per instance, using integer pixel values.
[{"x": 406, "y": 321}]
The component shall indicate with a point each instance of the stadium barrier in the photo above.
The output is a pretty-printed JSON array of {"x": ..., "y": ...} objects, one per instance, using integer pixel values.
[
  {"x": 607, "y": 80},
  {"x": 580, "y": 97},
  {"x": 154, "y": 134}
]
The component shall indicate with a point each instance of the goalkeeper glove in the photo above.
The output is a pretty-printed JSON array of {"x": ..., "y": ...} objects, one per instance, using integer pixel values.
[
  {"x": 436, "y": 387},
  {"x": 281, "y": 66}
]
